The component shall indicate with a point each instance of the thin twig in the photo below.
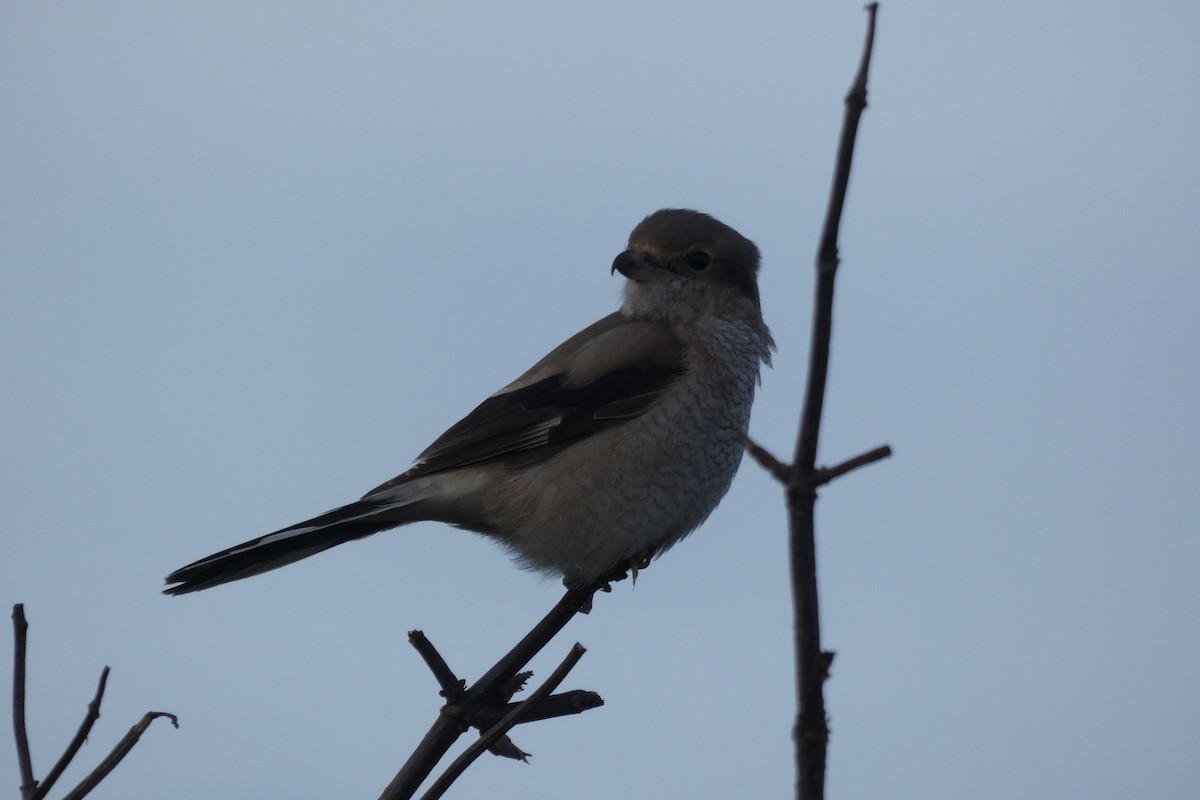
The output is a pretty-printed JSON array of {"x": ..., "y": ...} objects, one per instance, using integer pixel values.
[
  {"x": 779, "y": 470},
  {"x": 826, "y": 474},
  {"x": 118, "y": 753},
  {"x": 827, "y": 260},
  {"x": 20, "y": 629},
  {"x": 89, "y": 719},
  {"x": 453, "y": 687},
  {"x": 502, "y": 727}
]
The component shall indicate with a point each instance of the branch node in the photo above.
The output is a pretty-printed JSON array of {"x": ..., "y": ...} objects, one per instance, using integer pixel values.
[{"x": 779, "y": 471}]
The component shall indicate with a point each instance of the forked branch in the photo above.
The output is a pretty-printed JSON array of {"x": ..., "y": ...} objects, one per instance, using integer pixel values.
[
  {"x": 485, "y": 704},
  {"x": 31, "y": 789}
]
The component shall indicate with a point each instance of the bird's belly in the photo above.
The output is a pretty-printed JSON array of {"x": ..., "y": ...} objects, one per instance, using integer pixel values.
[{"x": 613, "y": 500}]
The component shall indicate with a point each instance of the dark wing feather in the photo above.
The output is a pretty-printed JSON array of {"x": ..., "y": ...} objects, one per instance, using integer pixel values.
[{"x": 534, "y": 421}]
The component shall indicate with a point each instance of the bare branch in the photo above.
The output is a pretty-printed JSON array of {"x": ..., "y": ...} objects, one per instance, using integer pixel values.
[
  {"x": 827, "y": 261},
  {"x": 30, "y": 790},
  {"x": 118, "y": 754},
  {"x": 20, "y": 630},
  {"x": 575, "y": 601},
  {"x": 453, "y": 687},
  {"x": 494, "y": 688},
  {"x": 811, "y": 732},
  {"x": 575, "y": 701},
  {"x": 93, "y": 714},
  {"x": 826, "y": 474},
  {"x": 779, "y": 471},
  {"x": 477, "y": 748}
]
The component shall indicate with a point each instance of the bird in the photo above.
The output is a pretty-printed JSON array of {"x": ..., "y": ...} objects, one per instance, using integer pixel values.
[{"x": 602, "y": 455}]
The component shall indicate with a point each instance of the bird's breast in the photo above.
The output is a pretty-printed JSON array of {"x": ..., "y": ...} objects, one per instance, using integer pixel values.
[{"x": 639, "y": 487}]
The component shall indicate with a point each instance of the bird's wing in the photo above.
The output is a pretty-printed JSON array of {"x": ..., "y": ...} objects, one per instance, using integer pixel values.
[{"x": 606, "y": 374}]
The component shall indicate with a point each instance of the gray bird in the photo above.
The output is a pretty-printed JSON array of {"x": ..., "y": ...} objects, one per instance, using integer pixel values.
[{"x": 606, "y": 452}]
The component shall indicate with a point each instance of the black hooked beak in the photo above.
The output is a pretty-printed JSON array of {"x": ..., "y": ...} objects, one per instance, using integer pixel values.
[{"x": 638, "y": 266}]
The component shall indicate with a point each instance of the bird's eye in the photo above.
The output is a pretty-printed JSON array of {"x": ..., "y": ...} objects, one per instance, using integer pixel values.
[{"x": 697, "y": 260}]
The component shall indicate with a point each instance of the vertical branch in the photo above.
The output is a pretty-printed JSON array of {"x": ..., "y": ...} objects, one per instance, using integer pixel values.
[
  {"x": 20, "y": 629},
  {"x": 827, "y": 261},
  {"x": 802, "y": 477},
  {"x": 811, "y": 732}
]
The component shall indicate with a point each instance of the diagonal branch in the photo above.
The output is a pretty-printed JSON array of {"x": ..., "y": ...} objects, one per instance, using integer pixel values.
[
  {"x": 118, "y": 753},
  {"x": 575, "y": 601},
  {"x": 93, "y": 714},
  {"x": 453, "y": 687},
  {"x": 494, "y": 687},
  {"x": 517, "y": 715},
  {"x": 826, "y": 474}
]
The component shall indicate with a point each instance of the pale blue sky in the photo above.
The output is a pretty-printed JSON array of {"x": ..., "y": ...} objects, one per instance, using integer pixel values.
[{"x": 255, "y": 256}]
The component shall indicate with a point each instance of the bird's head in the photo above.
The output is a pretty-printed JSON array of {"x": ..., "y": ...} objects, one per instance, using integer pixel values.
[{"x": 684, "y": 263}]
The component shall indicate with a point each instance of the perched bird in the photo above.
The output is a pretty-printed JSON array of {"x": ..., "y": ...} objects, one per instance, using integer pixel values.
[{"x": 609, "y": 450}]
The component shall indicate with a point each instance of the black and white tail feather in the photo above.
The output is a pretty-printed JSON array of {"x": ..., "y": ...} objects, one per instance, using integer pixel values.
[{"x": 354, "y": 521}]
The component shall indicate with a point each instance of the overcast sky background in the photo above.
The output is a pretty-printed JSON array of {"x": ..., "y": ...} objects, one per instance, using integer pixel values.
[{"x": 255, "y": 256}]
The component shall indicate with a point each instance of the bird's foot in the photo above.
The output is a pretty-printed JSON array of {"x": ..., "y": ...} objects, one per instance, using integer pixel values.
[{"x": 636, "y": 565}]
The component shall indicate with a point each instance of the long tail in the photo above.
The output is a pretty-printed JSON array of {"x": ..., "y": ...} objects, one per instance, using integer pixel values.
[{"x": 345, "y": 524}]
